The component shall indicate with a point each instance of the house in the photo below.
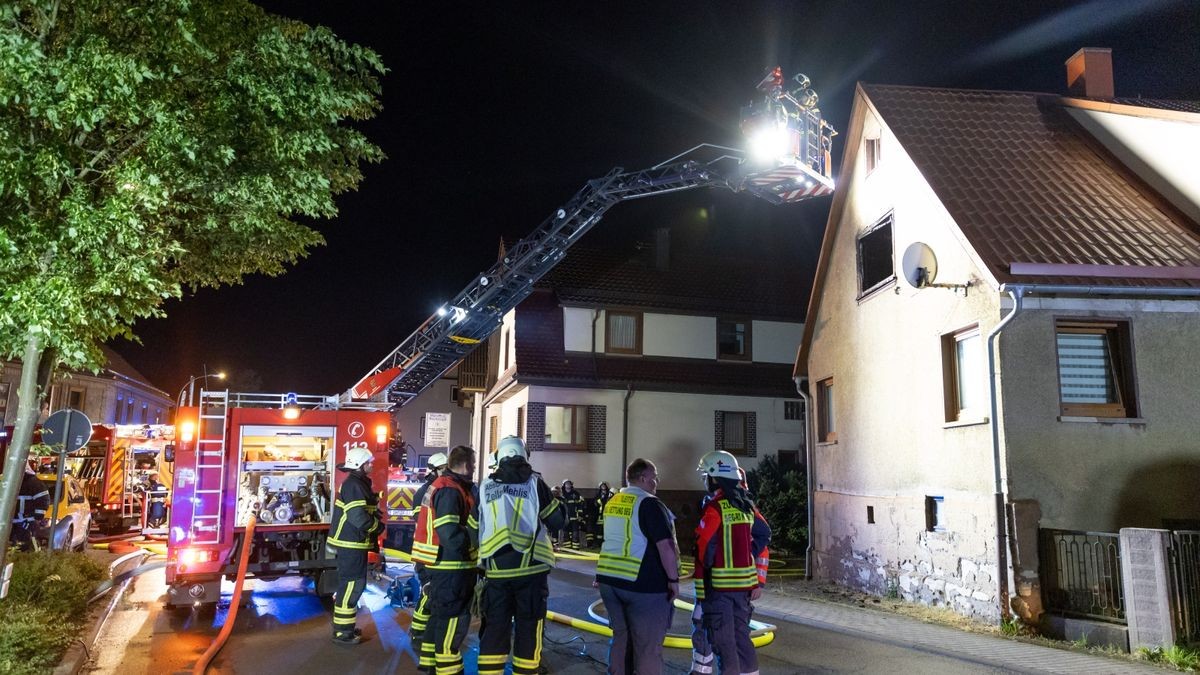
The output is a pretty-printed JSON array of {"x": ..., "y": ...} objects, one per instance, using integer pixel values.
[
  {"x": 449, "y": 395},
  {"x": 620, "y": 354},
  {"x": 116, "y": 394},
  {"x": 1053, "y": 242}
]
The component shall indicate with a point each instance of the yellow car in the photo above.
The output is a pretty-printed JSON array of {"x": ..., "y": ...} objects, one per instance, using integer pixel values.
[{"x": 74, "y": 514}]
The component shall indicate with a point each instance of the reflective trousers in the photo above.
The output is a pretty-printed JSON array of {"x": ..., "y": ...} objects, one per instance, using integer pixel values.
[
  {"x": 450, "y": 594},
  {"x": 726, "y": 618},
  {"x": 352, "y": 579},
  {"x": 702, "y": 653},
  {"x": 517, "y": 603},
  {"x": 426, "y": 662}
]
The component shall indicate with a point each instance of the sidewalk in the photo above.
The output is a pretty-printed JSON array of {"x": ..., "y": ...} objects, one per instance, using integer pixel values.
[{"x": 899, "y": 630}]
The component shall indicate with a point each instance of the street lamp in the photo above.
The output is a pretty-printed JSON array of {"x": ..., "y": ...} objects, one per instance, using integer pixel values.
[{"x": 190, "y": 387}]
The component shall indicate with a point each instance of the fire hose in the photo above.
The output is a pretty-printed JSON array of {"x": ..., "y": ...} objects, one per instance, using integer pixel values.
[{"x": 243, "y": 561}]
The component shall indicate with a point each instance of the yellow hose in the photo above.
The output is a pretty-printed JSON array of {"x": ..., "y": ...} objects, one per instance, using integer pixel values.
[{"x": 762, "y": 636}]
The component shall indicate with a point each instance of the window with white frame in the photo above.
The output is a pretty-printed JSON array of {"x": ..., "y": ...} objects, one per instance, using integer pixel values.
[
  {"x": 965, "y": 375},
  {"x": 733, "y": 339},
  {"x": 876, "y": 267}
]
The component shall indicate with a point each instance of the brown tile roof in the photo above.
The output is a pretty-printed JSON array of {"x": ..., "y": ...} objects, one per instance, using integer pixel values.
[
  {"x": 541, "y": 359},
  {"x": 706, "y": 284},
  {"x": 1027, "y": 185}
]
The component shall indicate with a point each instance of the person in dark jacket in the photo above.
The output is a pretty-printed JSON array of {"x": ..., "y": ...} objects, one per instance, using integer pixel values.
[
  {"x": 573, "y": 503},
  {"x": 516, "y": 513},
  {"x": 420, "y": 617},
  {"x": 603, "y": 494},
  {"x": 33, "y": 501},
  {"x": 353, "y": 531}
]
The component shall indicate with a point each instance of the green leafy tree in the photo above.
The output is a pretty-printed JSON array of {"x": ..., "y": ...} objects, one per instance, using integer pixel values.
[
  {"x": 782, "y": 496},
  {"x": 148, "y": 147}
]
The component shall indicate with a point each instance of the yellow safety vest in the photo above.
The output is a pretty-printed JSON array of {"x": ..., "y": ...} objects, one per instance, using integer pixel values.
[
  {"x": 624, "y": 542},
  {"x": 510, "y": 515}
]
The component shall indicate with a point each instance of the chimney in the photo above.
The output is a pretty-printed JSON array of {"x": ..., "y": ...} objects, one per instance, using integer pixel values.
[
  {"x": 1090, "y": 74},
  {"x": 662, "y": 249}
]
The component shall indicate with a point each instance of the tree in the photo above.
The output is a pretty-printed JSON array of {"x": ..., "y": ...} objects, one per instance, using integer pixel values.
[
  {"x": 782, "y": 497},
  {"x": 148, "y": 147}
]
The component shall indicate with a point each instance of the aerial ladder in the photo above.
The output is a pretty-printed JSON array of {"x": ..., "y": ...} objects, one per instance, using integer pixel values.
[{"x": 788, "y": 161}]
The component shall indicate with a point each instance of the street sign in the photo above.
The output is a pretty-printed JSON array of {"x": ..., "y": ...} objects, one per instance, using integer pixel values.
[
  {"x": 437, "y": 430},
  {"x": 68, "y": 428}
]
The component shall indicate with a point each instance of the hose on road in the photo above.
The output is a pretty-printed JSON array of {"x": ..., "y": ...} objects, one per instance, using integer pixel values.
[{"x": 243, "y": 561}]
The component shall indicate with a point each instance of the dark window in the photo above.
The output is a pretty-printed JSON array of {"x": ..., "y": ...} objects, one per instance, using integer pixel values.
[
  {"x": 623, "y": 332},
  {"x": 566, "y": 427},
  {"x": 733, "y": 339},
  {"x": 1095, "y": 369},
  {"x": 788, "y": 459},
  {"x": 871, "y": 148},
  {"x": 870, "y": 515},
  {"x": 793, "y": 410},
  {"x": 826, "y": 431},
  {"x": 75, "y": 399},
  {"x": 521, "y": 422},
  {"x": 735, "y": 433},
  {"x": 875, "y": 267},
  {"x": 454, "y": 394},
  {"x": 934, "y": 514}
]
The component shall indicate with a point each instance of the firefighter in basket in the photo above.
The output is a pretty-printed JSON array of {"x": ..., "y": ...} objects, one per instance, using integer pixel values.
[{"x": 353, "y": 531}]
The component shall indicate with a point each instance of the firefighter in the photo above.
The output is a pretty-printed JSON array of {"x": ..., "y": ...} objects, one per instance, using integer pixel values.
[
  {"x": 156, "y": 494},
  {"x": 353, "y": 531},
  {"x": 446, "y": 542},
  {"x": 603, "y": 494},
  {"x": 515, "y": 513},
  {"x": 727, "y": 580},
  {"x": 32, "y": 502},
  {"x": 573, "y": 502},
  {"x": 702, "y": 652},
  {"x": 420, "y": 617}
]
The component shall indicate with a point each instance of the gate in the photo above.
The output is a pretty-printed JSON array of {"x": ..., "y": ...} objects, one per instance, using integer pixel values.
[
  {"x": 1185, "y": 583},
  {"x": 1081, "y": 574}
]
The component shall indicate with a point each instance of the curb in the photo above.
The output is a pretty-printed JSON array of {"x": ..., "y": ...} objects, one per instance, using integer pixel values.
[{"x": 80, "y": 651}]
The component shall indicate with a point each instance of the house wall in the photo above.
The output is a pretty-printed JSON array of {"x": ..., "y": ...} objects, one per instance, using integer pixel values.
[
  {"x": 1092, "y": 475},
  {"x": 437, "y": 398},
  {"x": 894, "y": 445},
  {"x": 101, "y": 396}
]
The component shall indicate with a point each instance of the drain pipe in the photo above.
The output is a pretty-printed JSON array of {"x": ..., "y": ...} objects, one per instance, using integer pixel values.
[
  {"x": 625, "y": 435},
  {"x": 998, "y": 471},
  {"x": 809, "y": 468}
]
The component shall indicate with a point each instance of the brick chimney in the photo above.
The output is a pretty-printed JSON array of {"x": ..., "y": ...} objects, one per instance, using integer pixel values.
[{"x": 1090, "y": 74}]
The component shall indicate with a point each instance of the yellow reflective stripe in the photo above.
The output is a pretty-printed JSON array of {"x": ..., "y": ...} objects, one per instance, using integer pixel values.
[
  {"x": 493, "y": 659},
  {"x": 554, "y": 504},
  {"x": 528, "y": 664},
  {"x": 451, "y": 565},
  {"x": 537, "y": 650},
  {"x": 448, "y": 640},
  {"x": 446, "y": 520},
  {"x": 472, "y": 523},
  {"x": 346, "y": 506},
  {"x": 500, "y": 573},
  {"x": 338, "y": 543}
]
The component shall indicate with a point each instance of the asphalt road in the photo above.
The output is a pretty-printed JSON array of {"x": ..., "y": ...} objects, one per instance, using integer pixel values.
[{"x": 286, "y": 629}]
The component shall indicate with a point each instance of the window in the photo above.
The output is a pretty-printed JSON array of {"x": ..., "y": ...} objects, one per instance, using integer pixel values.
[
  {"x": 521, "y": 422},
  {"x": 75, "y": 398},
  {"x": 871, "y": 153},
  {"x": 454, "y": 391},
  {"x": 145, "y": 414},
  {"x": 158, "y": 416},
  {"x": 1095, "y": 369},
  {"x": 735, "y": 433},
  {"x": 788, "y": 459},
  {"x": 127, "y": 416},
  {"x": 870, "y": 515},
  {"x": 875, "y": 268},
  {"x": 793, "y": 410},
  {"x": 934, "y": 515},
  {"x": 623, "y": 332},
  {"x": 964, "y": 375},
  {"x": 733, "y": 339},
  {"x": 506, "y": 347},
  {"x": 826, "y": 431},
  {"x": 566, "y": 427},
  {"x": 493, "y": 432}
]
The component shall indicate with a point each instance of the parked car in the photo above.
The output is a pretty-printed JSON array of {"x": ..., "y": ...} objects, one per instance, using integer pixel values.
[{"x": 74, "y": 514}]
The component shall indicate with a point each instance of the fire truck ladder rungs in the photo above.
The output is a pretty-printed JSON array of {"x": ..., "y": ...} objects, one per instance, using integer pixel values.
[
  {"x": 448, "y": 336},
  {"x": 210, "y": 474}
]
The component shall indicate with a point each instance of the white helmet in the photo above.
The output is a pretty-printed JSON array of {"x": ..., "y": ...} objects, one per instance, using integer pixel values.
[
  {"x": 719, "y": 464},
  {"x": 510, "y": 446},
  {"x": 356, "y": 457},
  {"x": 438, "y": 461}
]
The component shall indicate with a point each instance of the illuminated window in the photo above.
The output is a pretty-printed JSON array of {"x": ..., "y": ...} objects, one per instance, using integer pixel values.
[
  {"x": 875, "y": 266},
  {"x": 965, "y": 375},
  {"x": 521, "y": 422},
  {"x": 826, "y": 431},
  {"x": 623, "y": 331},
  {"x": 733, "y": 339},
  {"x": 566, "y": 427},
  {"x": 1095, "y": 369},
  {"x": 871, "y": 153}
]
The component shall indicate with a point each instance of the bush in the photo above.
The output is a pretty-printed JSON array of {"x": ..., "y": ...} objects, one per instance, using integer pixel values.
[
  {"x": 45, "y": 609},
  {"x": 782, "y": 497}
]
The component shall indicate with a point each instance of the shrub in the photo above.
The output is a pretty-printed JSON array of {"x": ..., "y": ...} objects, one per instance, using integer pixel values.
[
  {"x": 45, "y": 608},
  {"x": 782, "y": 497}
]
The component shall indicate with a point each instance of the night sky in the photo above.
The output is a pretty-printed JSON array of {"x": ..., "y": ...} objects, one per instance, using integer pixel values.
[{"x": 497, "y": 113}]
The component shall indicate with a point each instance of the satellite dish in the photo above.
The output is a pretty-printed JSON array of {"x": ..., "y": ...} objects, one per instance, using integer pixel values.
[{"x": 919, "y": 265}]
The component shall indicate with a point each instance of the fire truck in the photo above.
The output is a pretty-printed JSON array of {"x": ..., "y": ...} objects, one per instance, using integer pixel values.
[
  {"x": 401, "y": 518},
  {"x": 271, "y": 456}
]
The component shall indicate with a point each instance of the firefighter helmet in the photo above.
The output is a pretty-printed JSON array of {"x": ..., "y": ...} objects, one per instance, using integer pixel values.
[
  {"x": 510, "y": 446},
  {"x": 719, "y": 464},
  {"x": 356, "y": 457},
  {"x": 437, "y": 461}
]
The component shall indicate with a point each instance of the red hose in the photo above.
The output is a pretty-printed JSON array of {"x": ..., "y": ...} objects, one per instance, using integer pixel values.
[{"x": 243, "y": 561}]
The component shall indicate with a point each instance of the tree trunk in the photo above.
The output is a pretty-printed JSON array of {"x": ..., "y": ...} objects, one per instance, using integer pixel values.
[{"x": 29, "y": 396}]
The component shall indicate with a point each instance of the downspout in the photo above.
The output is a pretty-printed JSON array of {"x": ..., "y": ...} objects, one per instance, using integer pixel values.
[
  {"x": 1016, "y": 293},
  {"x": 625, "y": 434},
  {"x": 809, "y": 468}
]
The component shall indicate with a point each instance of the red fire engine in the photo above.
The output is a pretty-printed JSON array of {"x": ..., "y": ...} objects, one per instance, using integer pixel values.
[{"x": 271, "y": 456}]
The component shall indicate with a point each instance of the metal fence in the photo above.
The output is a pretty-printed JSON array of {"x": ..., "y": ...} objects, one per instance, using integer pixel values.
[
  {"x": 1081, "y": 574},
  {"x": 1185, "y": 583}
]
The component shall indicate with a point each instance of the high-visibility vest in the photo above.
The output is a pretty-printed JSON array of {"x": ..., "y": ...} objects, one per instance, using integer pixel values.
[
  {"x": 510, "y": 515},
  {"x": 624, "y": 542},
  {"x": 733, "y": 567},
  {"x": 427, "y": 548}
]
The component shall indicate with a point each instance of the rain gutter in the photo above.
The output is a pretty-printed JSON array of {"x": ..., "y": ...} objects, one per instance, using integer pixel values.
[{"x": 809, "y": 468}]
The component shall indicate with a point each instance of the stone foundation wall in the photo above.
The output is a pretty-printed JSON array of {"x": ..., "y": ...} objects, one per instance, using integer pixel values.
[{"x": 897, "y": 555}]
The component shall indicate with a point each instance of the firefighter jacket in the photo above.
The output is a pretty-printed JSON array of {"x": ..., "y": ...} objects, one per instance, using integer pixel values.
[
  {"x": 601, "y": 501},
  {"x": 32, "y": 501},
  {"x": 516, "y": 510},
  {"x": 447, "y": 530},
  {"x": 730, "y": 533},
  {"x": 355, "y": 523},
  {"x": 573, "y": 501},
  {"x": 624, "y": 542}
]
